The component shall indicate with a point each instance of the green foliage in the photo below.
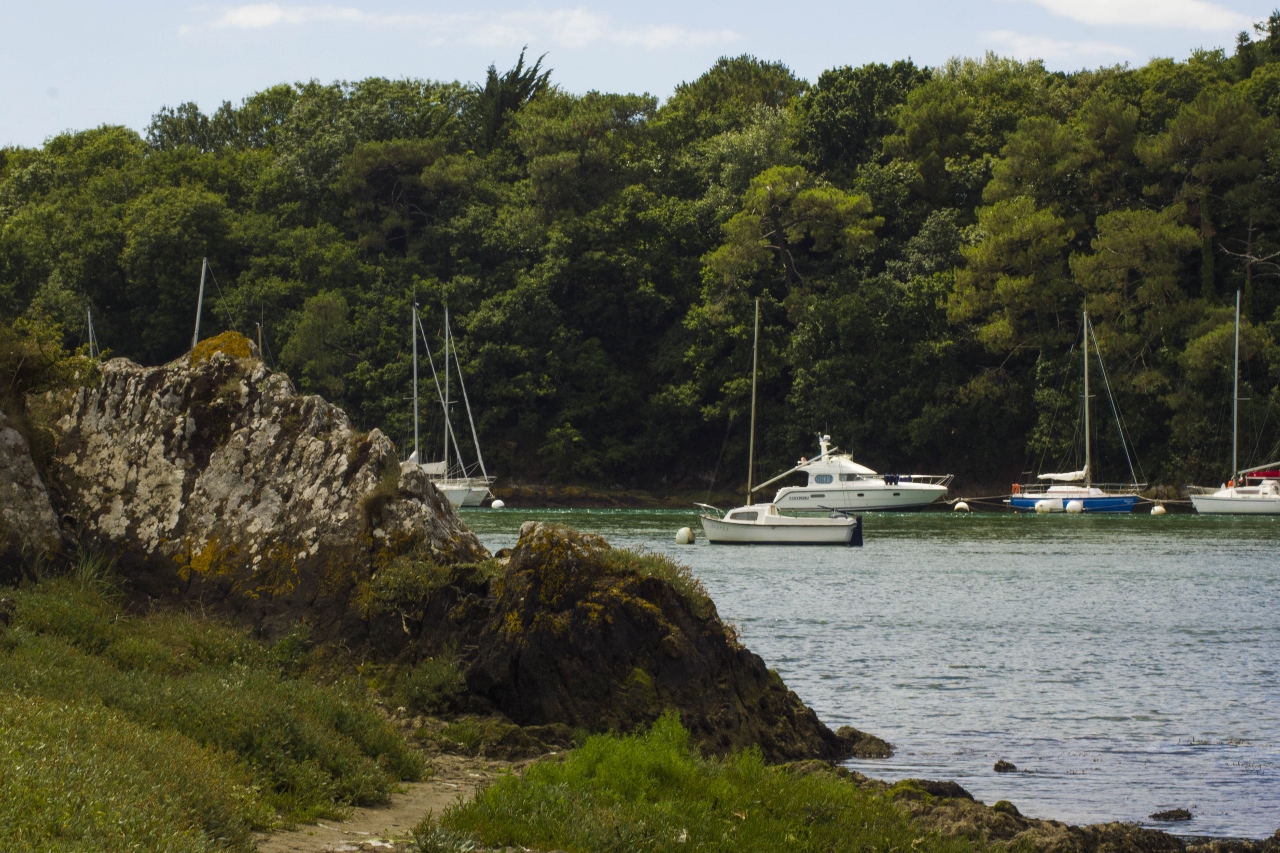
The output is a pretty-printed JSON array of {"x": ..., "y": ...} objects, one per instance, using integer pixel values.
[
  {"x": 921, "y": 239},
  {"x": 432, "y": 686},
  {"x": 651, "y": 791},
  {"x": 227, "y": 701}
]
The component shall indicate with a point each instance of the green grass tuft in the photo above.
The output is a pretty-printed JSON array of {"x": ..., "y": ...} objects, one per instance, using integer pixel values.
[
  {"x": 431, "y": 687},
  {"x": 650, "y": 565},
  {"x": 200, "y": 688},
  {"x": 652, "y": 792}
]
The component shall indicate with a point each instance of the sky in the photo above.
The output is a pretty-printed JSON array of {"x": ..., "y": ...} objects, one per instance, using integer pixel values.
[{"x": 75, "y": 64}]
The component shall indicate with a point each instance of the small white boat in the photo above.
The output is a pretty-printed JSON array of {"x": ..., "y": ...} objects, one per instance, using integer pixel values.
[
  {"x": 1254, "y": 491},
  {"x": 1258, "y": 493},
  {"x": 762, "y": 524},
  {"x": 835, "y": 481}
]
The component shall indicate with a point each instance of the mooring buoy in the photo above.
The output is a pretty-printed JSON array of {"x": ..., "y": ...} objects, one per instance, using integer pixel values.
[{"x": 684, "y": 536}]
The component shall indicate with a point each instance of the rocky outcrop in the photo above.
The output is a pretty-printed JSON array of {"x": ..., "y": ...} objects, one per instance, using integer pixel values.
[
  {"x": 577, "y": 633},
  {"x": 210, "y": 479},
  {"x": 28, "y": 524}
]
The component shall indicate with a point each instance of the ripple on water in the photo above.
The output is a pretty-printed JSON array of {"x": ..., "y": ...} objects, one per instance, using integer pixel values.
[{"x": 1126, "y": 665}]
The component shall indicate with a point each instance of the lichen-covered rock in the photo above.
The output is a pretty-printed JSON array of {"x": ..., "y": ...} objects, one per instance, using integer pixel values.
[
  {"x": 28, "y": 525},
  {"x": 211, "y": 479},
  {"x": 576, "y": 635}
]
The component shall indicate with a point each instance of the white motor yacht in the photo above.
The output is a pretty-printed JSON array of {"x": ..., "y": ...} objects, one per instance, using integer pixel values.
[{"x": 836, "y": 482}]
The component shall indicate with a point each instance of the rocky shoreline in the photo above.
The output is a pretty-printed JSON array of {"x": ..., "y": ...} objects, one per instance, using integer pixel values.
[{"x": 213, "y": 486}]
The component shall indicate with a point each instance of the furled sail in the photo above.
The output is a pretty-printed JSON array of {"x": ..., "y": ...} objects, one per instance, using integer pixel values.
[{"x": 1066, "y": 477}]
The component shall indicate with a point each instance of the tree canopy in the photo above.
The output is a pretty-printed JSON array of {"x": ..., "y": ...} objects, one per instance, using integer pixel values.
[{"x": 922, "y": 241}]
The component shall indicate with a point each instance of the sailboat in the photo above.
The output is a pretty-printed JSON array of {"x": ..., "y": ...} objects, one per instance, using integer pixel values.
[
  {"x": 762, "y": 524},
  {"x": 457, "y": 482},
  {"x": 1086, "y": 497},
  {"x": 1253, "y": 491}
]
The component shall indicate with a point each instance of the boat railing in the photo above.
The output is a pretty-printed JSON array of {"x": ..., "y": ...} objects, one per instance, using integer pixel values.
[
  {"x": 1040, "y": 489},
  {"x": 943, "y": 480}
]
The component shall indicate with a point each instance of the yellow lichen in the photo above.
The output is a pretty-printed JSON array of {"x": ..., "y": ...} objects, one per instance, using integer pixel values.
[{"x": 233, "y": 344}]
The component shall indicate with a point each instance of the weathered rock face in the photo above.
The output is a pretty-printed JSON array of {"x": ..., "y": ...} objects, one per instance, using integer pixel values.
[
  {"x": 28, "y": 525},
  {"x": 576, "y": 637},
  {"x": 210, "y": 478}
]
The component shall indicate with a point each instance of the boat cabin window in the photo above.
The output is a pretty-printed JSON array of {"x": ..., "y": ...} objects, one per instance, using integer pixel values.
[
  {"x": 744, "y": 516},
  {"x": 822, "y": 479},
  {"x": 848, "y": 478}
]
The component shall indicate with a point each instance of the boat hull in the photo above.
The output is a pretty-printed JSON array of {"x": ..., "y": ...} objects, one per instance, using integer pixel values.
[
  {"x": 839, "y": 531},
  {"x": 868, "y": 497},
  {"x": 1091, "y": 503},
  {"x": 1236, "y": 505}
]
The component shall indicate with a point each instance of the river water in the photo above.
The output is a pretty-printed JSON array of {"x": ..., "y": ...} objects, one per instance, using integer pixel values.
[{"x": 1125, "y": 664}]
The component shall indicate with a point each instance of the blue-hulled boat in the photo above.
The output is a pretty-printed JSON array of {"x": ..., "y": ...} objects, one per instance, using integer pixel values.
[{"x": 1075, "y": 491}]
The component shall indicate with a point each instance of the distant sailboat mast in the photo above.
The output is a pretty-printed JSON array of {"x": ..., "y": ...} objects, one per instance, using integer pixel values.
[
  {"x": 751, "y": 445},
  {"x": 413, "y": 333},
  {"x": 1088, "y": 473},
  {"x": 94, "y": 350},
  {"x": 1235, "y": 399},
  {"x": 204, "y": 269},
  {"x": 475, "y": 437},
  {"x": 448, "y": 423}
]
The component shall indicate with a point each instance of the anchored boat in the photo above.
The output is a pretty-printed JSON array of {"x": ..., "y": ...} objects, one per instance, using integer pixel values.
[
  {"x": 1082, "y": 495},
  {"x": 1254, "y": 491},
  {"x": 836, "y": 481},
  {"x": 762, "y": 524},
  {"x": 459, "y": 484}
]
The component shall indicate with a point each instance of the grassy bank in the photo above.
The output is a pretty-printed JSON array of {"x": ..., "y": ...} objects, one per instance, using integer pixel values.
[
  {"x": 652, "y": 792},
  {"x": 170, "y": 731}
]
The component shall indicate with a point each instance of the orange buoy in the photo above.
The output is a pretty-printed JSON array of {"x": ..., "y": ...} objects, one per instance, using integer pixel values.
[{"x": 1017, "y": 490}]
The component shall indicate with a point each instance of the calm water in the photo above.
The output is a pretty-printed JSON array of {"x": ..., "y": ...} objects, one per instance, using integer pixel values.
[{"x": 1126, "y": 665}]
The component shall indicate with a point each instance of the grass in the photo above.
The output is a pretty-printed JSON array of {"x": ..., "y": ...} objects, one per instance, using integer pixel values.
[
  {"x": 181, "y": 725},
  {"x": 431, "y": 687},
  {"x": 646, "y": 564},
  {"x": 653, "y": 792}
]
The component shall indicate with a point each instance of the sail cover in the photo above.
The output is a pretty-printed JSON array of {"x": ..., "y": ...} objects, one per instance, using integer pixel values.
[{"x": 1066, "y": 477}]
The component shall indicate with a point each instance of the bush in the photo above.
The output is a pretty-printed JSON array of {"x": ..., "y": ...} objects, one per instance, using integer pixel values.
[
  {"x": 652, "y": 792},
  {"x": 431, "y": 687}
]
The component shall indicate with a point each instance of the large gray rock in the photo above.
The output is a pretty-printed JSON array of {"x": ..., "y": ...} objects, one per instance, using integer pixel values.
[
  {"x": 210, "y": 478},
  {"x": 28, "y": 524}
]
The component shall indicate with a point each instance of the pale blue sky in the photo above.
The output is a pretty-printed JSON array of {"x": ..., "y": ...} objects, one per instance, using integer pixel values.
[{"x": 76, "y": 64}]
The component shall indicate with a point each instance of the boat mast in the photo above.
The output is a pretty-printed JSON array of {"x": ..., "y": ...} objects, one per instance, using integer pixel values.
[
  {"x": 448, "y": 426},
  {"x": 475, "y": 437},
  {"x": 94, "y": 352},
  {"x": 1088, "y": 475},
  {"x": 751, "y": 446},
  {"x": 1235, "y": 398},
  {"x": 204, "y": 268},
  {"x": 413, "y": 333}
]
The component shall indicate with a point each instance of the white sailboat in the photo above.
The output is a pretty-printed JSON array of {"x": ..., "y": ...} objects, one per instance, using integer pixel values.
[
  {"x": 762, "y": 524},
  {"x": 1082, "y": 495},
  {"x": 459, "y": 484},
  {"x": 1253, "y": 491}
]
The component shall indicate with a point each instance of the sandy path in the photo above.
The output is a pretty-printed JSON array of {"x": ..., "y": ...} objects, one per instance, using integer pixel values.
[{"x": 379, "y": 828}]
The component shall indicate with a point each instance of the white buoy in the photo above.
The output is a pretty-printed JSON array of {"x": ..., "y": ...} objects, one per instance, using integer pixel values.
[
  {"x": 497, "y": 504},
  {"x": 960, "y": 506},
  {"x": 684, "y": 536},
  {"x": 1044, "y": 506},
  {"x": 1075, "y": 506},
  {"x": 1157, "y": 510}
]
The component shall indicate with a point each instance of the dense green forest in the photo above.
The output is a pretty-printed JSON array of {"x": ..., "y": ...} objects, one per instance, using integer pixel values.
[{"x": 922, "y": 241}]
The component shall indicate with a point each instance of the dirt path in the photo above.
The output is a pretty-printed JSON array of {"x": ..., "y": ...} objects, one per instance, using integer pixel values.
[{"x": 382, "y": 828}]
